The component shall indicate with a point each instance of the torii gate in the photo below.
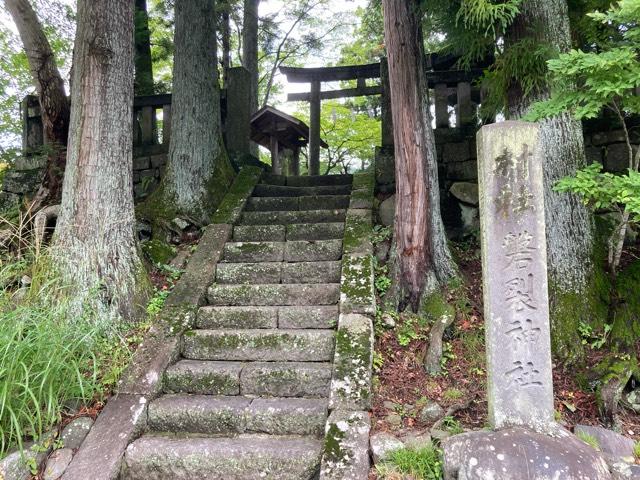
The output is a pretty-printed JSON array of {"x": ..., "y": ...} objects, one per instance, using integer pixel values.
[{"x": 316, "y": 76}]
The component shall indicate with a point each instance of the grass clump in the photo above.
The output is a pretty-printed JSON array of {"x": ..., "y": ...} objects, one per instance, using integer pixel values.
[
  {"x": 636, "y": 450},
  {"x": 589, "y": 439},
  {"x": 421, "y": 464},
  {"x": 54, "y": 356}
]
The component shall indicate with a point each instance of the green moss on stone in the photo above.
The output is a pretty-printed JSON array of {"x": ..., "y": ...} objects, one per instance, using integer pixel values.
[
  {"x": 434, "y": 306},
  {"x": 353, "y": 362},
  {"x": 333, "y": 450},
  {"x": 357, "y": 281},
  {"x": 158, "y": 252},
  {"x": 626, "y": 316},
  {"x": 364, "y": 181},
  {"x": 357, "y": 233},
  {"x": 233, "y": 203}
]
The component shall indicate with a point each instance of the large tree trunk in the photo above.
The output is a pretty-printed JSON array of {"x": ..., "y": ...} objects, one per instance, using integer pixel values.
[
  {"x": 198, "y": 171},
  {"x": 226, "y": 41},
  {"x": 570, "y": 236},
  {"x": 422, "y": 254},
  {"x": 54, "y": 105},
  {"x": 143, "y": 84},
  {"x": 250, "y": 53},
  {"x": 95, "y": 244}
]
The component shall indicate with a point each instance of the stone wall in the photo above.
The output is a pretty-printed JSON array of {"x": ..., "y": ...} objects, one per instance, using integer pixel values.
[
  {"x": 458, "y": 174},
  {"x": 149, "y": 163}
]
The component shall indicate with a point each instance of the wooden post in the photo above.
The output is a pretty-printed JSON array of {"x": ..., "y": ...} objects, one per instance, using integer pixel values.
[
  {"x": 166, "y": 124},
  {"x": 295, "y": 164},
  {"x": 442, "y": 106},
  {"x": 276, "y": 168},
  {"x": 465, "y": 111},
  {"x": 314, "y": 129}
]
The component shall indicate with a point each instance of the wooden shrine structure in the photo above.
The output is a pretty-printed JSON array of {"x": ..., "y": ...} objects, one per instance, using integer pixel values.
[{"x": 284, "y": 136}]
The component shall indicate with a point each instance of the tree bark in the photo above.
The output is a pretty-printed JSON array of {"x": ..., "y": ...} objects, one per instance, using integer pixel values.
[
  {"x": 422, "y": 254},
  {"x": 143, "y": 84},
  {"x": 54, "y": 105},
  {"x": 226, "y": 42},
  {"x": 570, "y": 231},
  {"x": 250, "y": 54},
  {"x": 95, "y": 245},
  {"x": 198, "y": 170}
]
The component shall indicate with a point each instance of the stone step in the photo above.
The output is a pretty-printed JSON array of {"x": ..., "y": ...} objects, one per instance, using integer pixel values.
[
  {"x": 292, "y": 251},
  {"x": 246, "y": 457},
  {"x": 250, "y": 317},
  {"x": 287, "y": 218},
  {"x": 311, "y": 202},
  {"x": 280, "y": 233},
  {"x": 273, "y": 379},
  {"x": 263, "y": 190},
  {"x": 319, "y": 180},
  {"x": 211, "y": 415},
  {"x": 267, "y": 345},
  {"x": 281, "y": 272},
  {"x": 274, "y": 294}
]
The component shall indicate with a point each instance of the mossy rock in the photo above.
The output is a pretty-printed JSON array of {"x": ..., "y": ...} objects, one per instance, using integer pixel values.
[
  {"x": 626, "y": 316},
  {"x": 158, "y": 252}
]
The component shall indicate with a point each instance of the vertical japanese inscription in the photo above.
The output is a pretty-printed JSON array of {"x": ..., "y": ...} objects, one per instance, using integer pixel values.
[{"x": 515, "y": 276}]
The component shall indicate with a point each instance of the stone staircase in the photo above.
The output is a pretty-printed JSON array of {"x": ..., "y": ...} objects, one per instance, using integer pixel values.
[{"x": 248, "y": 399}]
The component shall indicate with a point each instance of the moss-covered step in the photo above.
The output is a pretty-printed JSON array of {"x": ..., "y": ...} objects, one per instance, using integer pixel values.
[
  {"x": 308, "y": 317},
  {"x": 249, "y": 273},
  {"x": 315, "y": 231},
  {"x": 259, "y": 345},
  {"x": 311, "y": 272},
  {"x": 324, "y": 202},
  {"x": 208, "y": 414},
  {"x": 318, "y": 180},
  {"x": 312, "y": 250},
  {"x": 203, "y": 377},
  {"x": 272, "y": 294},
  {"x": 259, "y": 233},
  {"x": 287, "y": 218},
  {"x": 253, "y": 252},
  {"x": 263, "y": 190},
  {"x": 251, "y": 317},
  {"x": 269, "y": 204},
  {"x": 241, "y": 458},
  {"x": 286, "y": 379}
]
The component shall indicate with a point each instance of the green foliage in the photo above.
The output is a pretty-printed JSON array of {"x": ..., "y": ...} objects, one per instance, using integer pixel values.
[
  {"x": 451, "y": 425},
  {"x": 636, "y": 450},
  {"x": 491, "y": 16},
  {"x": 594, "y": 339},
  {"x": 452, "y": 394},
  {"x": 585, "y": 83},
  {"x": 421, "y": 464},
  {"x": 408, "y": 331},
  {"x": 157, "y": 301}
]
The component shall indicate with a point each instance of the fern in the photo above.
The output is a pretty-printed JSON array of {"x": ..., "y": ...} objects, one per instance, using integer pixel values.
[{"x": 488, "y": 16}]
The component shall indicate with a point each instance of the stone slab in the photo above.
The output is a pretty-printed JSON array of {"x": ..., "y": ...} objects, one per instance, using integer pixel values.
[
  {"x": 253, "y": 252},
  {"x": 323, "y": 202},
  {"x": 315, "y": 231},
  {"x": 318, "y": 180},
  {"x": 352, "y": 364},
  {"x": 100, "y": 455},
  {"x": 287, "y": 416},
  {"x": 357, "y": 232},
  {"x": 519, "y": 381},
  {"x": 246, "y": 457},
  {"x": 201, "y": 269},
  {"x": 286, "y": 379},
  {"x": 234, "y": 201},
  {"x": 357, "y": 288},
  {"x": 263, "y": 190},
  {"x": 75, "y": 432},
  {"x": 273, "y": 294},
  {"x": 286, "y": 218},
  {"x": 346, "y": 453},
  {"x": 249, "y": 273},
  {"x": 313, "y": 250},
  {"x": 516, "y": 453},
  {"x": 268, "y": 204},
  {"x": 260, "y": 345},
  {"x": 203, "y": 377},
  {"x": 311, "y": 272},
  {"x": 610, "y": 442},
  {"x": 237, "y": 317},
  {"x": 259, "y": 233},
  {"x": 308, "y": 317}
]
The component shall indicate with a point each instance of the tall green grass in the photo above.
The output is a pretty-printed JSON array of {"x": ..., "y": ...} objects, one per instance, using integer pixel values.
[{"x": 51, "y": 356}]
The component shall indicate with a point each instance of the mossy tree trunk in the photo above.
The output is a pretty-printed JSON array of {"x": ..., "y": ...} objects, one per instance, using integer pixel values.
[
  {"x": 198, "y": 169},
  {"x": 143, "y": 62},
  {"x": 95, "y": 244},
  {"x": 54, "y": 105},
  {"x": 570, "y": 230},
  {"x": 422, "y": 255}
]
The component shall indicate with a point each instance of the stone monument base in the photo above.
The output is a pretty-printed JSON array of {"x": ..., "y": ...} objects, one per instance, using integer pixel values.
[{"x": 521, "y": 454}]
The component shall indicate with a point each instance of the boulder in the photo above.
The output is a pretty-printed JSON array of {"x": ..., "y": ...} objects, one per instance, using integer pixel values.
[
  {"x": 387, "y": 211},
  {"x": 633, "y": 400},
  {"x": 517, "y": 453},
  {"x": 611, "y": 443},
  {"x": 470, "y": 217},
  {"x": 382, "y": 445},
  {"x": 57, "y": 464},
  {"x": 75, "y": 432},
  {"x": 417, "y": 441},
  {"x": 466, "y": 192},
  {"x": 431, "y": 412}
]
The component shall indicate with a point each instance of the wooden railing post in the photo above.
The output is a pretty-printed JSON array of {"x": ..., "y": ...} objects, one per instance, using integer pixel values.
[{"x": 147, "y": 125}]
